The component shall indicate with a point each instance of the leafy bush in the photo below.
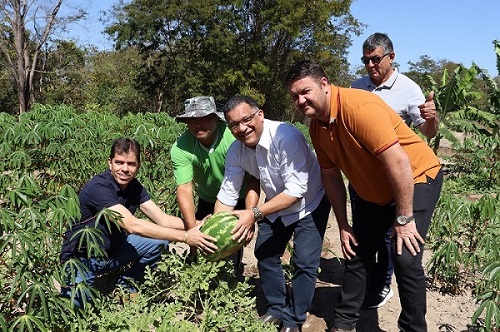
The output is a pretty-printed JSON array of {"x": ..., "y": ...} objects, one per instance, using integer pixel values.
[
  {"x": 46, "y": 156},
  {"x": 465, "y": 239}
]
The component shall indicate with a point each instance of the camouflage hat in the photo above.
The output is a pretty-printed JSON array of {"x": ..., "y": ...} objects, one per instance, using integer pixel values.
[{"x": 198, "y": 107}]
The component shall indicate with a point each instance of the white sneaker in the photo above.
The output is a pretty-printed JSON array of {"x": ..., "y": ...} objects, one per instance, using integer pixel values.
[{"x": 380, "y": 299}]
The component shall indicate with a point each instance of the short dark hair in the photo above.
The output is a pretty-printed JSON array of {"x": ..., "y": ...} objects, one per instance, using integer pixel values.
[
  {"x": 125, "y": 146},
  {"x": 239, "y": 99},
  {"x": 303, "y": 68},
  {"x": 378, "y": 39}
]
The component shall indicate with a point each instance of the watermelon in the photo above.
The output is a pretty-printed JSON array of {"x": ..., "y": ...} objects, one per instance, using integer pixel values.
[{"x": 219, "y": 226}]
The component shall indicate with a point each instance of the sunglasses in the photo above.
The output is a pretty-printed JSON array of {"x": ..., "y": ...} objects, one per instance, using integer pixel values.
[{"x": 374, "y": 59}]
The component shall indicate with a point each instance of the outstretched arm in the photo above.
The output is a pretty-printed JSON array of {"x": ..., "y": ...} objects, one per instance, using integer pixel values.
[{"x": 165, "y": 226}]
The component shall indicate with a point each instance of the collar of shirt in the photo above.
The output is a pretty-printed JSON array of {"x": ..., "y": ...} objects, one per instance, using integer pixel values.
[
  {"x": 267, "y": 131},
  {"x": 387, "y": 84},
  {"x": 334, "y": 103}
]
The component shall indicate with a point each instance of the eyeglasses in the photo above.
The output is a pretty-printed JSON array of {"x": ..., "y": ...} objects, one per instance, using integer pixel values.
[
  {"x": 374, "y": 59},
  {"x": 235, "y": 126}
]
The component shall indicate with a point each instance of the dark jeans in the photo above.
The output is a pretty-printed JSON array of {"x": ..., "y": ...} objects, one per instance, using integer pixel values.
[
  {"x": 272, "y": 239},
  {"x": 381, "y": 273},
  {"x": 370, "y": 224},
  {"x": 136, "y": 251}
]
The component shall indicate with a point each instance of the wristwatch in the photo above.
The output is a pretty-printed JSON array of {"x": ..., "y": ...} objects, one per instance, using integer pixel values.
[
  {"x": 257, "y": 215},
  {"x": 403, "y": 220}
]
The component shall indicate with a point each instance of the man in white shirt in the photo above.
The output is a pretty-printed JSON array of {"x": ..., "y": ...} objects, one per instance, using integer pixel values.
[{"x": 295, "y": 205}]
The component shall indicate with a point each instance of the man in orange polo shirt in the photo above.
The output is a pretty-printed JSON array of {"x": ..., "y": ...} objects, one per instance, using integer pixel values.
[{"x": 396, "y": 175}]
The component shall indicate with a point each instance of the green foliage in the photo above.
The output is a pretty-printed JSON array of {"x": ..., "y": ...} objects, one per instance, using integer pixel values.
[
  {"x": 476, "y": 163},
  {"x": 465, "y": 239},
  {"x": 489, "y": 297},
  {"x": 46, "y": 157},
  {"x": 222, "y": 48},
  {"x": 177, "y": 296},
  {"x": 455, "y": 100},
  {"x": 48, "y": 154},
  {"x": 65, "y": 75}
]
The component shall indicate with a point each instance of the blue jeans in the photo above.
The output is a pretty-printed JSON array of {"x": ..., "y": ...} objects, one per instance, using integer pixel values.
[
  {"x": 270, "y": 245},
  {"x": 370, "y": 224},
  {"x": 135, "y": 250}
]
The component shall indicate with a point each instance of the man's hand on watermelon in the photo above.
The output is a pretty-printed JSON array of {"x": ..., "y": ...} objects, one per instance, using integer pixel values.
[
  {"x": 205, "y": 243},
  {"x": 245, "y": 228}
]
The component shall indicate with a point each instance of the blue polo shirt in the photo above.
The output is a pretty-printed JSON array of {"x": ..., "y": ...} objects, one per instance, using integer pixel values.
[{"x": 99, "y": 193}]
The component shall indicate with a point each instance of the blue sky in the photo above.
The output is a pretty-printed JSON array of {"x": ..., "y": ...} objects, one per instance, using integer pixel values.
[{"x": 460, "y": 31}]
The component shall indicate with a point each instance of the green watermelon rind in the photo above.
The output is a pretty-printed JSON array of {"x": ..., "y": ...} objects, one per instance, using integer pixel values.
[{"x": 219, "y": 226}]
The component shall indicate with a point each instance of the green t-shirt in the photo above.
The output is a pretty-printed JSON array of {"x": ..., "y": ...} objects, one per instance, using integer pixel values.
[{"x": 192, "y": 161}]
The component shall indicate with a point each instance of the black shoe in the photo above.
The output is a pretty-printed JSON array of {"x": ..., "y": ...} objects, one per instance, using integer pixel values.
[
  {"x": 266, "y": 318},
  {"x": 378, "y": 300}
]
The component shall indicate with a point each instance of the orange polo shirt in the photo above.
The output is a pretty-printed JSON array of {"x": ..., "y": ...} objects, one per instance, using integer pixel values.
[{"x": 362, "y": 126}]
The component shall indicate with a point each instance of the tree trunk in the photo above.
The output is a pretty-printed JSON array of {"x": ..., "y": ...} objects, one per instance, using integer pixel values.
[{"x": 26, "y": 44}]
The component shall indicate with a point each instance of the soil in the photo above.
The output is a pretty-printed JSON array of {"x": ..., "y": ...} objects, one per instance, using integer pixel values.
[{"x": 444, "y": 312}]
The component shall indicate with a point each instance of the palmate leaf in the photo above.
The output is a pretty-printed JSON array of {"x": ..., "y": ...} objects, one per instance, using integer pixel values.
[
  {"x": 19, "y": 159},
  {"x": 18, "y": 244},
  {"x": 57, "y": 218},
  {"x": 8, "y": 223},
  {"x": 91, "y": 239},
  {"x": 42, "y": 298},
  {"x": 71, "y": 269},
  {"x": 63, "y": 207},
  {"x": 491, "y": 311},
  {"x": 492, "y": 270},
  {"x": 32, "y": 137},
  {"x": 5, "y": 148},
  {"x": 30, "y": 218},
  {"x": 488, "y": 247},
  {"x": 488, "y": 207},
  {"x": 28, "y": 322},
  {"x": 88, "y": 294},
  {"x": 109, "y": 216},
  {"x": 35, "y": 298}
]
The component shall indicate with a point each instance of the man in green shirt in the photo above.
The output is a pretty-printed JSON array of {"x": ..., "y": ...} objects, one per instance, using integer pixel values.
[{"x": 198, "y": 158}]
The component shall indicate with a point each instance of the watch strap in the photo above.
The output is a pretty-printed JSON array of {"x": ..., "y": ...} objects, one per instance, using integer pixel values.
[{"x": 257, "y": 214}]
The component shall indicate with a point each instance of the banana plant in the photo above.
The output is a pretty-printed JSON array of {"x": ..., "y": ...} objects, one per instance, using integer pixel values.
[{"x": 454, "y": 98}]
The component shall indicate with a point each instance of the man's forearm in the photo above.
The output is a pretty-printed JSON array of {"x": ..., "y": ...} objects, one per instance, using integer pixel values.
[
  {"x": 185, "y": 200},
  {"x": 429, "y": 128},
  {"x": 336, "y": 192}
]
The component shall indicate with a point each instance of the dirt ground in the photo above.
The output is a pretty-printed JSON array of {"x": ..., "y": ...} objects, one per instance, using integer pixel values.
[{"x": 444, "y": 312}]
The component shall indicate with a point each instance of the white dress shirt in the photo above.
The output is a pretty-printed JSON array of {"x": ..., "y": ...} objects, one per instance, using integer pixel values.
[{"x": 284, "y": 162}]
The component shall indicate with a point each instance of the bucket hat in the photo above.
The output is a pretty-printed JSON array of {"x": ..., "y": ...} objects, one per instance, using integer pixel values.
[{"x": 198, "y": 107}]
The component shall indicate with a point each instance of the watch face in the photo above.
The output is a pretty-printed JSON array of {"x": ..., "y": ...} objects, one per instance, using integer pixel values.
[{"x": 402, "y": 220}]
